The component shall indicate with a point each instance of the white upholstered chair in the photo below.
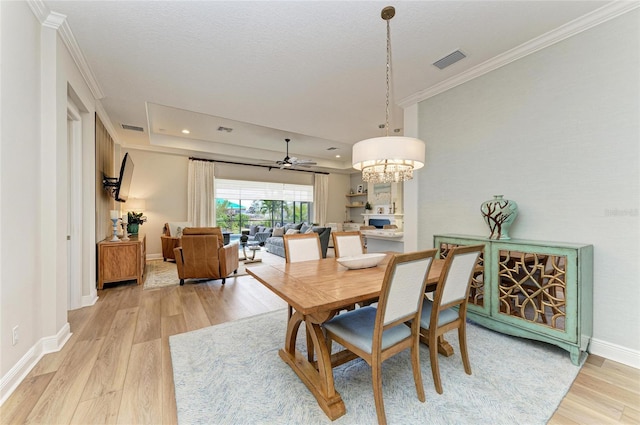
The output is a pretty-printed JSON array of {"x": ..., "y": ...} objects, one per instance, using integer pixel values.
[
  {"x": 301, "y": 247},
  {"x": 448, "y": 310},
  {"x": 348, "y": 244},
  {"x": 376, "y": 334}
]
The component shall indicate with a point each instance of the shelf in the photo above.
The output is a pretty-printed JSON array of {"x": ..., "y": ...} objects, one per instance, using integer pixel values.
[
  {"x": 354, "y": 206},
  {"x": 355, "y": 194}
]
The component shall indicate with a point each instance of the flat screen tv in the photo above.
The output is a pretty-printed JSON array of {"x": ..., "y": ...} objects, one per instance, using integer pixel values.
[{"x": 119, "y": 187}]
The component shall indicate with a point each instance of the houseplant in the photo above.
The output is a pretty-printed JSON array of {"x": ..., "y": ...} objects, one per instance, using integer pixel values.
[
  {"x": 134, "y": 220},
  {"x": 367, "y": 206}
]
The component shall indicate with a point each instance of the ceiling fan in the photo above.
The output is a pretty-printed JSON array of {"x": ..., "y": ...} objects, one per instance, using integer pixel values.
[{"x": 293, "y": 161}]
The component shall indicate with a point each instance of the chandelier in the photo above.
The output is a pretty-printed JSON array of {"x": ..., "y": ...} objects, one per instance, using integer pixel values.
[{"x": 389, "y": 158}]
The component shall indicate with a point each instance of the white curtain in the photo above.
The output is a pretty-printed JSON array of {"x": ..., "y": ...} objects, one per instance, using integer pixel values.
[
  {"x": 320, "y": 198},
  {"x": 201, "y": 205}
]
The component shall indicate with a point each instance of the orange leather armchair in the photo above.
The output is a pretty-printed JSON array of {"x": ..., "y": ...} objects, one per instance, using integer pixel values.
[
  {"x": 203, "y": 255},
  {"x": 171, "y": 238}
]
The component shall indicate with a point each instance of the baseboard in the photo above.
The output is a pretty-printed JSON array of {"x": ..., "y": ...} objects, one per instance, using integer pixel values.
[
  {"x": 21, "y": 369},
  {"x": 615, "y": 352},
  {"x": 89, "y": 300},
  {"x": 154, "y": 257}
]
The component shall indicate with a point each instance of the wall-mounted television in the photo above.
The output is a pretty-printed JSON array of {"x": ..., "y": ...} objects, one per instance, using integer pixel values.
[{"x": 118, "y": 187}]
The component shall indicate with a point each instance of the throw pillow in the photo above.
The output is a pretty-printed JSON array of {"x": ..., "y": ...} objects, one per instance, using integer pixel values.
[
  {"x": 309, "y": 230},
  {"x": 252, "y": 230},
  {"x": 304, "y": 228},
  {"x": 292, "y": 232},
  {"x": 278, "y": 231},
  {"x": 179, "y": 232}
]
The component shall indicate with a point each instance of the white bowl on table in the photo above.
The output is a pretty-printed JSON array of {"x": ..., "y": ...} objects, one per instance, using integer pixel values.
[{"x": 362, "y": 261}]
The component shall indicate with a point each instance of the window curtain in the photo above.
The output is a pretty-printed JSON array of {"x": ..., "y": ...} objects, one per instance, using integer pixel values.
[
  {"x": 320, "y": 198},
  {"x": 201, "y": 207}
]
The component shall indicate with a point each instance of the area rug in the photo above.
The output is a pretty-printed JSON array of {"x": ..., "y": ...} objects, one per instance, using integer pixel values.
[
  {"x": 232, "y": 374},
  {"x": 165, "y": 273}
]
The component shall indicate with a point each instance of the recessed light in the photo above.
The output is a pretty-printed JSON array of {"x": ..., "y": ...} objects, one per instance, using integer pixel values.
[
  {"x": 185, "y": 131},
  {"x": 337, "y": 156}
]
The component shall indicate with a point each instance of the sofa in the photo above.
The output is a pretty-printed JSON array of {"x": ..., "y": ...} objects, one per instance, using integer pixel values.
[
  {"x": 259, "y": 234},
  {"x": 275, "y": 243}
]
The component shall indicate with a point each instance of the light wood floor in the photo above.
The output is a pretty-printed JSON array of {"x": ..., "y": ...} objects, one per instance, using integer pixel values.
[{"x": 116, "y": 367}]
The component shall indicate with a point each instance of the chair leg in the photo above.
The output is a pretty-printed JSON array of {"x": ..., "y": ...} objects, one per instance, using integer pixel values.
[
  {"x": 181, "y": 282},
  {"x": 376, "y": 372},
  {"x": 417, "y": 373},
  {"x": 462, "y": 336},
  {"x": 433, "y": 355},
  {"x": 224, "y": 280}
]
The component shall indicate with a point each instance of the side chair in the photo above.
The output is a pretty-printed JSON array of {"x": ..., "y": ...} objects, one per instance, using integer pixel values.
[
  {"x": 301, "y": 247},
  {"x": 448, "y": 310},
  {"x": 347, "y": 244},
  {"x": 376, "y": 334}
]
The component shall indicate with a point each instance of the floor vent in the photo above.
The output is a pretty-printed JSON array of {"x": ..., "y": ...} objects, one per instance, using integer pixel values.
[
  {"x": 132, "y": 127},
  {"x": 450, "y": 59}
]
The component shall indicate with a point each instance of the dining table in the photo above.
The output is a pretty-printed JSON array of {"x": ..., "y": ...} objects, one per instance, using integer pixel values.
[{"x": 318, "y": 290}]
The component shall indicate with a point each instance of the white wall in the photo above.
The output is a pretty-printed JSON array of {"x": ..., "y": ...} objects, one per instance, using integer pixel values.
[
  {"x": 37, "y": 77},
  {"x": 558, "y": 132},
  {"x": 19, "y": 181},
  {"x": 161, "y": 179}
]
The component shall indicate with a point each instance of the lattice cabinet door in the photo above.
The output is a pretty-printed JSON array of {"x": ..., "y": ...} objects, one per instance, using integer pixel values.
[{"x": 536, "y": 288}]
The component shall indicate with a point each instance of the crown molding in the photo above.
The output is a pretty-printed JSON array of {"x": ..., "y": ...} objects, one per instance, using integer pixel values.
[
  {"x": 59, "y": 22},
  {"x": 597, "y": 17}
]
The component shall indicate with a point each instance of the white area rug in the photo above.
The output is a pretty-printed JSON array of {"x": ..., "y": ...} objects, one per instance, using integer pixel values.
[
  {"x": 232, "y": 374},
  {"x": 164, "y": 273}
]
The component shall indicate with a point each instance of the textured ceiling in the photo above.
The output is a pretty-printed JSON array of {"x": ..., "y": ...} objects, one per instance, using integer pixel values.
[{"x": 313, "y": 71}]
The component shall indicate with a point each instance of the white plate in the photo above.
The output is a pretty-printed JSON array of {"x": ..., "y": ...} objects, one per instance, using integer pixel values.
[{"x": 361, "y": 261}]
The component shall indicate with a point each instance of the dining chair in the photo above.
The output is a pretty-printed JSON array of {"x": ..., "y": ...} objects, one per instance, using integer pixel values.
[
  {"x": 376, "y": 334},
  {"x": 301, "y": 247},
  {"x": 347, "y": 244},
  {"x": 448, "y": 310}
]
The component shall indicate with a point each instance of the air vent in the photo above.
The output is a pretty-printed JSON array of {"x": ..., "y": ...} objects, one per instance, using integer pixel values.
[
  {"x": 132, "y": 127},
  {"x": 332, "y": 148},
  {"x": 450, "y": 59},
  {"x": 227, "y": 129}
]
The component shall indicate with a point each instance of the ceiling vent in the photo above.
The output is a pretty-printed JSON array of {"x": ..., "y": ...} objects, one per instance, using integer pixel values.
[
  {"x": 332, "y": 148},
  {"x": 450, "y": 59},
  {"x": 227, "y": 129},
  {"x": 132, "y": 127}
]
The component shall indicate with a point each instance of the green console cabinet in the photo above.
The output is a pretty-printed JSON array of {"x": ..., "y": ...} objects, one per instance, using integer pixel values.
[{"x": 532, "y": 289}]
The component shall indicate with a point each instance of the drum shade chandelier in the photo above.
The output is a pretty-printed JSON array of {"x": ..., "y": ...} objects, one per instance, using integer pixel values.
[{"x": 389, "y": 158}]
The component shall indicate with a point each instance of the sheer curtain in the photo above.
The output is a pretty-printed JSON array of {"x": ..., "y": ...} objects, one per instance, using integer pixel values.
[
  {"x": 320, "y": 198},
  {"x": 201, "y": 205}
]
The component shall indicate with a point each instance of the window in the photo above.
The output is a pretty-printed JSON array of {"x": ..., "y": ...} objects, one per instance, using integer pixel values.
[{"x": 240, "y": 204}]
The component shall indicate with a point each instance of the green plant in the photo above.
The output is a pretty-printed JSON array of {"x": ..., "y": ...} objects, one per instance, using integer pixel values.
[
  {"x": 367, "y": 206},
  {"x": 136, "y": 218}
]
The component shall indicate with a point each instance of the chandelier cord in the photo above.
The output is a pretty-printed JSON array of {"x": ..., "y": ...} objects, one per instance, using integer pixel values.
[{"x": 386, "y": 126}]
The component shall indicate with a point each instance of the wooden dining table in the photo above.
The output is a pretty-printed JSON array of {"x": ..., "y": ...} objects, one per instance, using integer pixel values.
[{"x": 318, "y": 290}]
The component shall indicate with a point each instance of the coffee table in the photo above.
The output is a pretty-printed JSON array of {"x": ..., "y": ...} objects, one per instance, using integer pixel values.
[
  {"x": 252, "y": 246},
  {"x": 252, "y": 249}
]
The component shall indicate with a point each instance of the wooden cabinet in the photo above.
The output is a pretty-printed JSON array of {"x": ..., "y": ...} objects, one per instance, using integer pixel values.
[
  {"x": 532, "y": 289},
  {"x": 120, "y": 261}
]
